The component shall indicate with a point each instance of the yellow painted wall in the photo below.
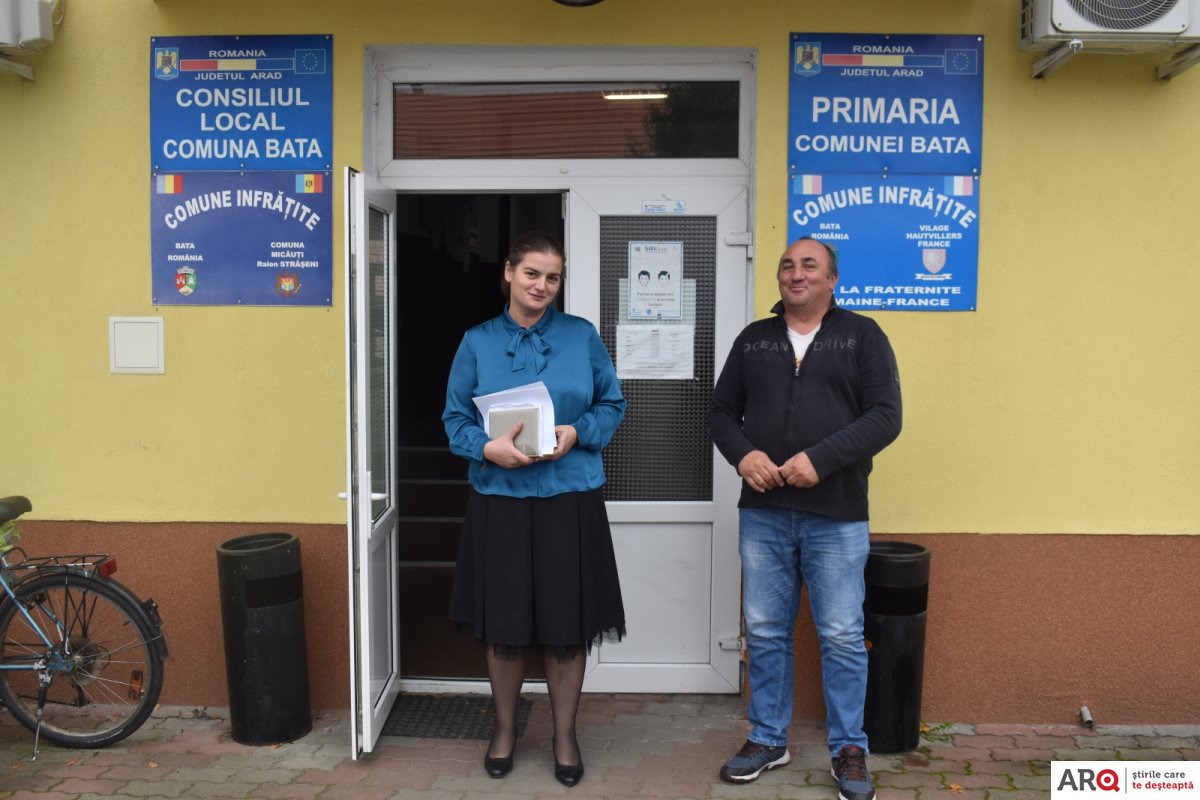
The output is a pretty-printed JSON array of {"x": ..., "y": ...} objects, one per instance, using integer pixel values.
[{"x": 1064, "y": 404}]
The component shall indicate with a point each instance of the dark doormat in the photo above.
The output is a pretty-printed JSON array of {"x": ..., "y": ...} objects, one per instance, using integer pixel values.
[{"x": 448, "y": 716}]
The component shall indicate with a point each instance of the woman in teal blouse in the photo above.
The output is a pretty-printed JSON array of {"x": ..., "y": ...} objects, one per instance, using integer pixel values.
[{"x": 535, "y": 565}]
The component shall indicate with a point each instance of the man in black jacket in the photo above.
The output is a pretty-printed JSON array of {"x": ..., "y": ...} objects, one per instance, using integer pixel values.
[{"x": 805, "y": 399}]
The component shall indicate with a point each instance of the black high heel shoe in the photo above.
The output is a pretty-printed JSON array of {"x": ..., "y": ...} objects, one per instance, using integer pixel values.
[
  {"x": 498, "y": 767},
  {"x": 568, "y": 774}
]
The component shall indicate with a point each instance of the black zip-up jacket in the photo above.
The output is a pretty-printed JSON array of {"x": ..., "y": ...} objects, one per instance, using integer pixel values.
[{"x": 841, "y": 407}]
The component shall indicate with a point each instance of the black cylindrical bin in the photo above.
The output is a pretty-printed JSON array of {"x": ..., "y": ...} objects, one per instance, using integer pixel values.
[
  {"x": 897, "y": 577},
  {"x": 266, "y": 660}
]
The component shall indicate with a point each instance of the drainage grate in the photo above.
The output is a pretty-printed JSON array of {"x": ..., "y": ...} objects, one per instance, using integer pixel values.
[{"x": 448, "y": 716}]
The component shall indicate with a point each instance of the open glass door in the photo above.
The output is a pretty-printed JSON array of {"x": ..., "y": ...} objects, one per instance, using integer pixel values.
[{"x": 371, "y": 461}]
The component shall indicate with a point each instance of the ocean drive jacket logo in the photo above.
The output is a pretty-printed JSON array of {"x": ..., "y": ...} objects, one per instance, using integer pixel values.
[{"x": 765, "y": 346}]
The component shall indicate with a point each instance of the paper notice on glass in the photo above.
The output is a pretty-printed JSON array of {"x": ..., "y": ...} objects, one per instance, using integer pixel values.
[
  {"x": 531, "y": 401},
  {"x": 662, "y": 352},
  {"x": 655, "y": 280}
]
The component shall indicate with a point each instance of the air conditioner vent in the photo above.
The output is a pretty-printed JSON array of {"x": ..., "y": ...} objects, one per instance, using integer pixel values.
[
  {"x": 1063, "y": 28},
  {"x": 1122, "y": 15},
  {"x": 1111, "y": 26}
]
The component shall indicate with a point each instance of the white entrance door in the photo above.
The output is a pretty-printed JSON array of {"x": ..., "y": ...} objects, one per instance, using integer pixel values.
[
  {"x": 672, "y": 499},
  {"x": 371, "y": 464}
]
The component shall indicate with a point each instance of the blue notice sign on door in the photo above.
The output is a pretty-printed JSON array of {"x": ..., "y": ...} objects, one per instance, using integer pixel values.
[
  {"x": 255, "y": 238},
  {"x": 241, "y": 103}
]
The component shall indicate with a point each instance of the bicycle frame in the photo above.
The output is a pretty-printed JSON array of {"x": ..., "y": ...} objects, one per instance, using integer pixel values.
[
  {"x": 12, "y": 598},
  {"x": 67, "y": 648}
]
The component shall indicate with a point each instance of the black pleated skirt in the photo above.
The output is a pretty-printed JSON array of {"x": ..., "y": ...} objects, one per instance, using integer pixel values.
[{"x": 538, "y": 572}]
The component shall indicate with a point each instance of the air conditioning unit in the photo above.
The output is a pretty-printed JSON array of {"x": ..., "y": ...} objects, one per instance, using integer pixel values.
[
  {"x": 26, "y": 26},
  {"x": 1110, "y": 26}
]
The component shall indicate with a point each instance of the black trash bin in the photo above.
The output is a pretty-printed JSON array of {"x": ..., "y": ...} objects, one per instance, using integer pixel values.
[
  {"x": 897, "y": 577},
  {"x": 266, "y": 660}
]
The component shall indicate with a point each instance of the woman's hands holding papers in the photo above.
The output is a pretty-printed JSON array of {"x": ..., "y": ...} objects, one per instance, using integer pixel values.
[
  {"x": 565, "y": 438},
  {"x": 502, "y": 452}
]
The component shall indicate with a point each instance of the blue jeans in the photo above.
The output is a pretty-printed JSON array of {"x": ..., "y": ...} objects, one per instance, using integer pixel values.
[{"x": 781, "y": 549}]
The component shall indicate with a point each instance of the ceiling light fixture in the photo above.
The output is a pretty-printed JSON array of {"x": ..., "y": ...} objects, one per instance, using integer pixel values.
[{"x": 642, "y": 94}]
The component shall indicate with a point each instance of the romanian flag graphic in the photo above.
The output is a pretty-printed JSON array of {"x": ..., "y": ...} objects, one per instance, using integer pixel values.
[
  {"x": 169, "y": 184},
  {"x": 882, "y": 60},
  {"x": 310, "y": 184},
  {"x": 960, "y": 185},
  {"x": 807, "y": 184}
]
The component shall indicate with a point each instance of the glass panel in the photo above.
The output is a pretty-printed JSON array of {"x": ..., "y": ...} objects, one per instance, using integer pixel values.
[
  {"x": 662, "y": 450},
  {"x": 381, "y": 590},
  {"x": 378, "y": 356},
  {"x": 566, "y": 120}
]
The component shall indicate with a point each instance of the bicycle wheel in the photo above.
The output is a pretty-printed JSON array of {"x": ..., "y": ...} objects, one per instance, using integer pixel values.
[{"x": 106, "y": 672}]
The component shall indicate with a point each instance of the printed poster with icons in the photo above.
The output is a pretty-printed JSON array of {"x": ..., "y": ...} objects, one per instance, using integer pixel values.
[
  {"x": 884, "y": 144},
  {"x": 241, "y": 140},
  {"x": 254, "y": 238}
]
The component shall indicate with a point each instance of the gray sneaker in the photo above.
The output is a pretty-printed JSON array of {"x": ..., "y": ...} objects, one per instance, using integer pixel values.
[
  {"x": 850, "y": 769},
  {"x": 751, "y": 760}
]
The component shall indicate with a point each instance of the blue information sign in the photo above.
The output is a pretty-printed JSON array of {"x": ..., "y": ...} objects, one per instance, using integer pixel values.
[
  {"x": 885, "y": 103},
  {"x": 241, "y": 103},
  {"x": 907, "y": 242},
  {"x": 255, "y": 238}
]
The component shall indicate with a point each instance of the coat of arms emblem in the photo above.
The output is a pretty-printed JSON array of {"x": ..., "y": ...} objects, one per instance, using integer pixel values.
[
  {"x": 933, "y": 259},
  {"x": 166, "y": 63},
  {"x": 185, "y": 280},
  {"x": 287, "y": 284},
  {"x": 808, "y": 58}
]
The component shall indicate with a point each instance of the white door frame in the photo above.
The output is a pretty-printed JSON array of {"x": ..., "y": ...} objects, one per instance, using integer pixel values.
[{"x": 385, "y": 66}]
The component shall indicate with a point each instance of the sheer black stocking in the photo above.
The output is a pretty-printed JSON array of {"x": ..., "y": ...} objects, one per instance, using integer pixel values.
[
  {"x": 565, "y": 681},
  {"x": 506, "y": 673}
]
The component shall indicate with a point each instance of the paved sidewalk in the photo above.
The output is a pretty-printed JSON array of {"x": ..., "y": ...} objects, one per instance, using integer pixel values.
[{"x": 634, "y": 746}]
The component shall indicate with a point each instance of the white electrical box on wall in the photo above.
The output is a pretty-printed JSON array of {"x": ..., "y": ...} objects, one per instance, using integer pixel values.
[{"x": 135, "y": 345}]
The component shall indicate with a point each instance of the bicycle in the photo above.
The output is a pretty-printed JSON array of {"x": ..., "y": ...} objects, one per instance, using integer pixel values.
[{"x": 81, "y": 656}]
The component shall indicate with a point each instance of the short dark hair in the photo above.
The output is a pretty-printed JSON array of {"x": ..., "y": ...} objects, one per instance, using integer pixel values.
[
  {"x": 833, "y": 256},
  {"x": 531, "y": 242}
]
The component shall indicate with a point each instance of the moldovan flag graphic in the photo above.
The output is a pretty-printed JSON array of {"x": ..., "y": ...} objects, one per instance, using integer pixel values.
[
  {"x": 310, "y": 184},
  {"x": 960, "y": 185},
  {"x": 169, "y": 184},
  {"x": 807, "y": 184}
]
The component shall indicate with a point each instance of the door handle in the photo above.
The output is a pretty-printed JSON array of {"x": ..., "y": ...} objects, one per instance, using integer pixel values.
[{"x": 374, "y": 496}]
